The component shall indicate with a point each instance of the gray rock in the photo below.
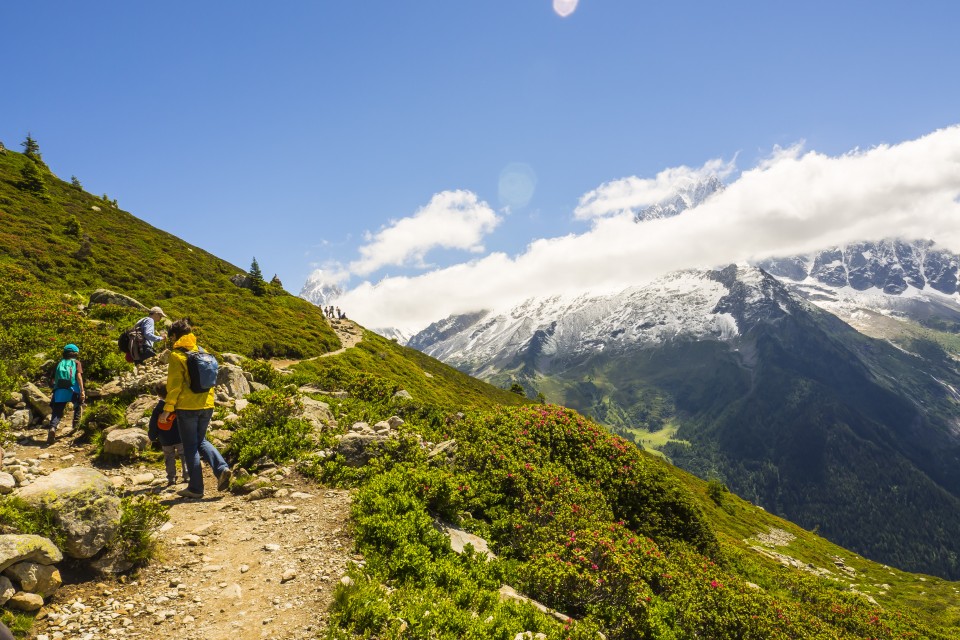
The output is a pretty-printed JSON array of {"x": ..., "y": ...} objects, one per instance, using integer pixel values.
[
  {"x": 23, "y": 601},
  {"x": 459, "y": 539},
  {"x": 231, "y": 380},
  {"x": 7, "y": 483},
  {"x": 36, "y": 399},
  {"x": 402, "y": 394},
  {"x": 232, "y": 358},
  {"x": 142, "y": 405},
  {"x": 20, "y": 419},
  {"x": 240, "y": 405},
  {"x": 242, "y": 280},
  {"x": 358, "y": 448},
  {"x": 445, "y": 448},
  {"x": 105, "y": 296},
  {"x": 258, "y": 386},
  {"x": 394, "y": 421},
  {"x": 316, "y": 413},
  {"x": 83, "y": 502},
  {"x": 42, "y": 579},
  {"x": 125, "y": 442},
  {"x": 16, "y": 548},
  {"x": 6, "y": 590}
]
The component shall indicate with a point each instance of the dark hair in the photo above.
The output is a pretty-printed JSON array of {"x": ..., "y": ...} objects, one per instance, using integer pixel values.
[
  {"x": 160, "y": 389},
  {"x": 70, "y": 355},
  {"x": 180, "y": 328}
]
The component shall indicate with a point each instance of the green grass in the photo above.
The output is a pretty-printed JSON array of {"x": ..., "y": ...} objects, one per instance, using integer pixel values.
[
  {"x": 76, "y": 242},
  {"x": 426, "y": 379}
]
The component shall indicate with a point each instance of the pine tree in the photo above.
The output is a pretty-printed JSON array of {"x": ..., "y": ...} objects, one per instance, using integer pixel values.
[
  {"x": 75, "y": 183},
  {"x": 31, "y": 149},
  {"x": 32, "y": 180},
  {"x": 257, "y": 283}
]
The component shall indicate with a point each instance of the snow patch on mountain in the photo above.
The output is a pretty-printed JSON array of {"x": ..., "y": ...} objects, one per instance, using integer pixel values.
[
  {"x": 686, "y": 305},
  {"x": 319, "y": 290}
]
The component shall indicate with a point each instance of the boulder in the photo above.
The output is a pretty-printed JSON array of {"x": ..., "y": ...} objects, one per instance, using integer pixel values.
[
  {"x": 125, "y": 442},
  {"x": 459, "y": 539},
  {"x": 6, "y": 590},
  {"x": 232, "y": 358},
  {"x": 242, "y": 280},
  {"x": 142, "y": 405},
  {"x": 82, "y": 502},
  {"x": 231, "y": 380},
  {"x": 20, "y": 419},
  {"x": 403, "y": 394},
  {"x": 7, "y": 483},
  {"x": 357, "y": 448},
  {"x": 36, "y": 399},
  {"x": 105, "y": 296},
  {"x": 316, "y": 413},
  {"x": 446, "y": 448},
  {"x": 16, "y": 548},
  {"x": 42, "y": 579},
  {"x": 23, "y": 601}
]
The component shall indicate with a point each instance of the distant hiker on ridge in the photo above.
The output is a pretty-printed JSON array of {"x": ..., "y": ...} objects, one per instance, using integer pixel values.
[
  {"x": 190, "y": 392},
  {"x": 142, "y": 350},
  {"x": 66, "y": 380}
]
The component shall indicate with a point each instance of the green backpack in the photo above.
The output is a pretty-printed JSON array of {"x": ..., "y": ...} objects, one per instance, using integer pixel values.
[{"x": 65, "y": 374}]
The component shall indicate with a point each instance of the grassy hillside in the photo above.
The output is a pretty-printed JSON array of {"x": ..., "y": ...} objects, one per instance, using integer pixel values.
[
  {"x": 57, "y": 238},
  {"x": 425, "y": 378},
  {"x": 579, "y": 519}
]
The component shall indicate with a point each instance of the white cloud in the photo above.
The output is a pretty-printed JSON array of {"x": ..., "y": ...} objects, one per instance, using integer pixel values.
[
  {"x": 451, "y": 220},
  {"x": 633, "y": 193},
  {"x": 792, "y": 202}
]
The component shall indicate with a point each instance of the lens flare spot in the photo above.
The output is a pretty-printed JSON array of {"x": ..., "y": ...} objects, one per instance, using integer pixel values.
[
  {"x": 517, "y": 184},
  {"x": 565, "y": 7}
]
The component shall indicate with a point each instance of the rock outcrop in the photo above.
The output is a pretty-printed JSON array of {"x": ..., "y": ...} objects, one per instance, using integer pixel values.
[
  {"x": 105, "y": 296},
  {"x": 83, "y": 503},
  {"x": 125, "y": 443}
]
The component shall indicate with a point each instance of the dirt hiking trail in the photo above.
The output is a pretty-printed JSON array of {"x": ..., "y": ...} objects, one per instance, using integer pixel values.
[{"x": 227, "y": 568}]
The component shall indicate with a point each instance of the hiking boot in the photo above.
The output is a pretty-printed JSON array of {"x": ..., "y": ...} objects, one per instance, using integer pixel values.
[
  {"x": 223, "y": 482},
  {"x": 51, "y": 436},
  {"x": 171, "y": 481},
  {"x": 186, "y": 493}
]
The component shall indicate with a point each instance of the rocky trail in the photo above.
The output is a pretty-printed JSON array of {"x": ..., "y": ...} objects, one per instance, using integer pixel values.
[{"x": 228, "y": 566}]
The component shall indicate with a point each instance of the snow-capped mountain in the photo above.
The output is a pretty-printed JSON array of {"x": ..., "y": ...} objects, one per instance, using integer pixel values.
[
  {"x": 685, "y": 197},
  {"x": 741, "y": 377},
  {"x": 554, "y": 330},
  {"x": 318, "y": 290}
]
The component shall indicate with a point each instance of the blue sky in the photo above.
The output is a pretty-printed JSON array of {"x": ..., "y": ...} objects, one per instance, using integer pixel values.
[{"x": 297, "y": 131}]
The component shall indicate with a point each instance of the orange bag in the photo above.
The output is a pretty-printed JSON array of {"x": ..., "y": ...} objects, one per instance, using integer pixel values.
[{"x": 168, "y": 424}]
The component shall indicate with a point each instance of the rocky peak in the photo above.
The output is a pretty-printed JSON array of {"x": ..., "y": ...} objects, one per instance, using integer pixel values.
[
  {"x": 319, "y": 290},
  {"x": 686, "y": 197}
]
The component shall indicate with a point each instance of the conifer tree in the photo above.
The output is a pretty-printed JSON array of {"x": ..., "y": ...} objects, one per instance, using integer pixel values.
[
  {"x": 31, "y": 149},
  {"x": 75, "y": 183},
  {"x": 32, "y": 180},
  {"x": 257, "y": 283}
]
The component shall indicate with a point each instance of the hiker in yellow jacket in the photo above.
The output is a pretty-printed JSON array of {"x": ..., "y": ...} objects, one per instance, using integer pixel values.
[{"x": 194, "y": 411}]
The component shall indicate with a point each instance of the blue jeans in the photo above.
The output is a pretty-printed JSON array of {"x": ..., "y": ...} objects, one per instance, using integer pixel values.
[{"x": 193, "y": 424}]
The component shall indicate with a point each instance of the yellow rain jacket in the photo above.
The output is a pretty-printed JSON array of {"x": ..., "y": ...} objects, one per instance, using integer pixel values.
[{"x": 179, "y": 395}]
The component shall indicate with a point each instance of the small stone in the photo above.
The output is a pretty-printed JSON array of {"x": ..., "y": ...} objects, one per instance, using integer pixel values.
[
  {"x": 288, "y": 575},
  {"x": 271, "y": 547},
  {"x": 284, "y": 508},
  {"x": 244, "y": 568}
]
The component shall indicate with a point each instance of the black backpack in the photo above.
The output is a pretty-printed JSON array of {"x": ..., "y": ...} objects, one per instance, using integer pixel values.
[{"x": 132, "y": 342}]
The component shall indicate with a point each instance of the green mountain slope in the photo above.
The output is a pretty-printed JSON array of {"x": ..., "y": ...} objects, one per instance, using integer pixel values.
[
  {"x": 581, "y": 520},
  {"x": 68, "y": 240}
]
